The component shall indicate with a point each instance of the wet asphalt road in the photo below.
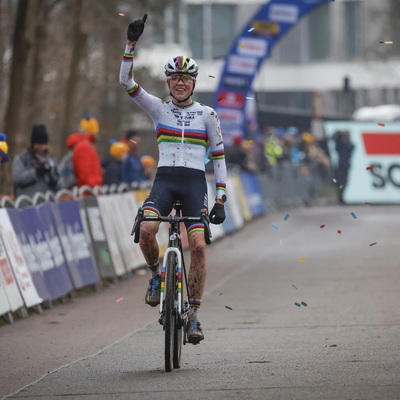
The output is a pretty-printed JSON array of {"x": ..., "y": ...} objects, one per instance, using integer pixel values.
[{"x": 343, "y": 344}]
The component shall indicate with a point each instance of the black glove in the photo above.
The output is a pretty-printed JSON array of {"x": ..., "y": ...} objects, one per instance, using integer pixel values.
[
  {"x": 135, "y": 29},
  {"x": 217, "y": 214},
  {"x": 42, "y": 169}
]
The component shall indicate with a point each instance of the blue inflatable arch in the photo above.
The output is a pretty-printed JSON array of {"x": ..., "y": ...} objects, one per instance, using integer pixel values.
[{"x": 270, "y": 23}]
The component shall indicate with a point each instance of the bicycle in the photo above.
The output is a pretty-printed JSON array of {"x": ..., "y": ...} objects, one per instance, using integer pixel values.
[{"x": 173, "y": 308}]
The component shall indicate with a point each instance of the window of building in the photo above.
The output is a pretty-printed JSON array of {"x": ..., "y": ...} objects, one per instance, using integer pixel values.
[
  {"x": 211, "y": 29},
  {"x": 353, "y": 29},
  {"x": 318, "y": 34},
  {"x": 195, "y": 30}
]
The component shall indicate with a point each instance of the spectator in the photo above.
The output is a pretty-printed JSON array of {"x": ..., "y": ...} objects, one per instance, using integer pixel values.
[
  {"x": 132, "y": 168},
  {"x": 34, "y": 170},
  {"x": 3, "y": 148},
  {"x": 149, "y": 164},
  {"x": 236, "y": 155},
  {"x": 112, "y": 164},
  {"x": 344, "y": 148},
  {"x": 316, "y": 161},
  {"x": 85, "y": 158}
]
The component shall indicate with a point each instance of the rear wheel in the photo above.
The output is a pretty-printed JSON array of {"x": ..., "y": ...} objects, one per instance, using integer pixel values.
[{"x": 170, "y": 315}]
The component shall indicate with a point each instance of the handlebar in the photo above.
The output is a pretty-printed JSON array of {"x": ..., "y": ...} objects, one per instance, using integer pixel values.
[{"x": 140, "y": 217}]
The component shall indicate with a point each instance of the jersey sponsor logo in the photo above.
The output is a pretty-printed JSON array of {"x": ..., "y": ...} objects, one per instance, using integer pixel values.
[{"x": 286, "y": 13}]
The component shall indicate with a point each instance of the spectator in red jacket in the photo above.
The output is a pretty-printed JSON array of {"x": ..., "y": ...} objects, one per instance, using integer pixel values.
[{"x": 85, "y": 158}]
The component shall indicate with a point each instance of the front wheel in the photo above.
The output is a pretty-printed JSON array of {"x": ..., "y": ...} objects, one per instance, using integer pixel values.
[
  {"x": 170, "y": 312},
  {"x": 178, "y": 337}
]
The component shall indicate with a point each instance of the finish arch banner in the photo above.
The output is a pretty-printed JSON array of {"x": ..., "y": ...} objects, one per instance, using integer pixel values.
[{"x": 253, "y": 45}]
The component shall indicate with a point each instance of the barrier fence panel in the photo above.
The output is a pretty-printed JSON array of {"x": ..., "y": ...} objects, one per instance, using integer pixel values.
[
  {"x": 75, "y": 246},
  {"x": 38, "y": 276},
  {"x": 253, "y": 194},
  {"x": 4, "y": 304},
  {"x": 33, "y": 237},
  {"x": 8, "y": 281},
  {"x": 98, "y": 240},
  {"x": 107, "y": 215},
  {"x": 18, "y": 263}
]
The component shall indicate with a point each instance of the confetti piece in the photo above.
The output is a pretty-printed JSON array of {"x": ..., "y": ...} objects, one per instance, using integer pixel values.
[
  {"x": 241, "y": 46},
  {"x": 297, "y": 304},
  {"x": 373, "y": 244},
  {"x": 131, "y": 140},
  {"x": 121, "y": 14},
  {"x": 381, "y": 124},
  {"x": 211, "y": 76},
  {"x": 369, "y": 168},
  {"x": 286, "y": 217},
  {"x": 334, "y": 180},
  {"x": 304, "y": 304},
  {"x": 229, "y": 308},
  {"x": 119, "y": 300},
  {"x": 301, "y": 259},
  {"x": 249, "y": 98},
  {"x": 339, "y": 231},
  {"x": 322, "y": 226},
  {"x": 251, "y": 30},
  {"x": 386, "y": 42},
  {"x": 353, "y": 215},
  {"x": 275, "y": 226},
  {"x": 294, "y": 286}
]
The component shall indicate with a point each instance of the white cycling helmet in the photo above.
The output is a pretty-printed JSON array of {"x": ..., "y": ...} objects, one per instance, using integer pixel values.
[{"x": 181, "y": 65}]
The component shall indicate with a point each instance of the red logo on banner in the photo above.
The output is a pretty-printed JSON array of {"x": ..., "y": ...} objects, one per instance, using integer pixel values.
[
  {"x": 231, "y": 100},
  {"x": 382, "y": 143}
]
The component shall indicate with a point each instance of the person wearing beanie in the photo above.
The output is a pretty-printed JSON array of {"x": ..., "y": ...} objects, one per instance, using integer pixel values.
[
  {"x": 85, "y": 158},
  {"x": 112, "y": 163},
  {"x": 34, "y": 169},
  {"x": 133, "y": 169},
  {"x": 3, "y": 148}
]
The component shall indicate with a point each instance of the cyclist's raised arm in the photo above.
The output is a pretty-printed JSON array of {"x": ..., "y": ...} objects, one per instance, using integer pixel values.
[
  {"x": 144, "y": 100},
  {"x": 216, "y": 144}
]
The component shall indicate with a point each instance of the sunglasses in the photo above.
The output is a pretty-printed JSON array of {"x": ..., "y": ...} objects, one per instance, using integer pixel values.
[{"x": 183, "y": 78}]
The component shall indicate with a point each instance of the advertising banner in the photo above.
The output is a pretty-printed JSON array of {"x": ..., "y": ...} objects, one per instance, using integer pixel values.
[
  {"x": 107, "y": 212},
  {"x": 4, "y": 304},
  {"x": 99, "y": 245},
  {"x": 8, "y": 282},
  {"x": 75, "y": 246},
  {"x": 365, "y": 157},
  {"x": 252, "y": 46},
  {"x": 42, "y": 250},
  {"x": 31, "y": 259},
  {"x": 17, "y": 260},
  {"x": 253, "y": 194}
]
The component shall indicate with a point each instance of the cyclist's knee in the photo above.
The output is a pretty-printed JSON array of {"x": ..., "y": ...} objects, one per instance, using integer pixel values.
[
  {"x": 198, "y": 249},
  {"x": 148, "y": 230}
]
